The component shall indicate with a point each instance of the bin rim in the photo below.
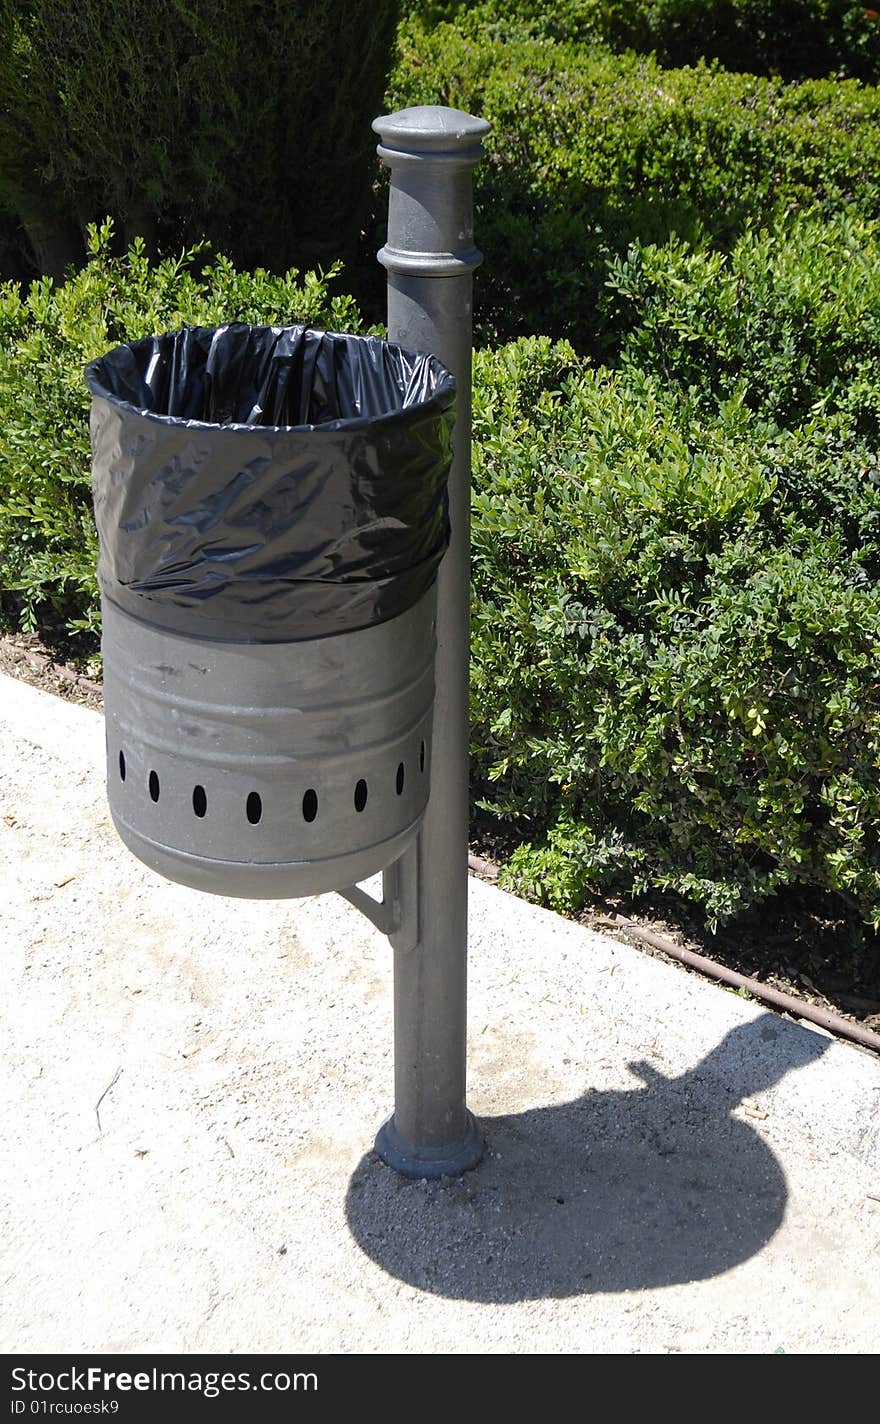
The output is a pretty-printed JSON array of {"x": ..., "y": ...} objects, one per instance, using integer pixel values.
[{"x": 440, "y": 398}]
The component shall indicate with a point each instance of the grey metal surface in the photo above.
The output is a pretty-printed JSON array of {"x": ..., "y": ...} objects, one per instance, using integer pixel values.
[
  {"x": 430, "y": 256},
  {"x": 269, "y": 770},
  {"x": 396, "y": 914}
]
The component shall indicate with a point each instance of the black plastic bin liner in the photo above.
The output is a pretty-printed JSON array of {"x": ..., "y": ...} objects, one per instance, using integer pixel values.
[{"x": 267, "y": 484}]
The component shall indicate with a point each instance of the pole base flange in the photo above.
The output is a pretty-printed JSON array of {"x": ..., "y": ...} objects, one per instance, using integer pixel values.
[{"x": 412, "y": 1161}]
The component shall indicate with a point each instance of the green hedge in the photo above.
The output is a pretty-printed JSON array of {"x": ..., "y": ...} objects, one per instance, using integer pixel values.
[
  {"x": 48, "y": 545},
  {"x": 794, "y": 38},
  {"x": 789, "y": 319},
  {"x": 591, "y": 151},
  {"x": 245, "y": 123},
  {"x": 676, "y": 561},
  {"x": 675, "y": 640}
]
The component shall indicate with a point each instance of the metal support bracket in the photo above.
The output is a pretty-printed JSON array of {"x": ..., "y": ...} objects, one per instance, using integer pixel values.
[{"x": 397, "y": 913}]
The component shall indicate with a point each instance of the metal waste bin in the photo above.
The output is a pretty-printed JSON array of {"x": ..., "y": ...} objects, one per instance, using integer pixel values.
[{"x": 271, "y": 505}]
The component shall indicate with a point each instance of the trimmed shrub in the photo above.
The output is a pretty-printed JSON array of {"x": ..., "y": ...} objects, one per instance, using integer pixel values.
[
  {"x": 789, "y": 319},
  {"x": 795, "y": 38},
  {"x": 676, "y": 633},
  {"x": 591, "y": 152},
  {"x": 48, "y": 544},
  {"x": 245, "y": 123}
]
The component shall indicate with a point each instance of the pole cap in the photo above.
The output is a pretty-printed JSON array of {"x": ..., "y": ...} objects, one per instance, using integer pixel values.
[{"x": 432, "y": 130}]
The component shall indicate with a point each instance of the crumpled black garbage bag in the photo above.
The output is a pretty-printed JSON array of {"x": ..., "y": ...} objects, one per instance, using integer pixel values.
[{"x": 267, "y": 484}]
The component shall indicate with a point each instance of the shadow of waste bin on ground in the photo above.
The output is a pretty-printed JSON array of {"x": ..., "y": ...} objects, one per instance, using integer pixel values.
[{"x": 615, "y": 1191}]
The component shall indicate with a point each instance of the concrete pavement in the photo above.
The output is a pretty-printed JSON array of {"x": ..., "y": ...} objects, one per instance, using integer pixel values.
[{"x": 190, "y": 1088}]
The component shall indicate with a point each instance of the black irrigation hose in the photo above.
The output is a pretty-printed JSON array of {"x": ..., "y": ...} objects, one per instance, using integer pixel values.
[{"x": 800, "y": 1008}]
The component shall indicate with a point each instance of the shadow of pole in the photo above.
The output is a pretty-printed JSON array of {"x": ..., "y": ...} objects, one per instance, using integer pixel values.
[{"x": 614, "y": 1191}]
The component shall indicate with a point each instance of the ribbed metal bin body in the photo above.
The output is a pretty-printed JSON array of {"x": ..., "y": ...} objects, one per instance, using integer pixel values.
[{"x": 269, "y": 770}]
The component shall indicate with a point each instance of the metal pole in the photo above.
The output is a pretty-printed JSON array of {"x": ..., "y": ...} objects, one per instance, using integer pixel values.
[{"x": 430, "y": 256}]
